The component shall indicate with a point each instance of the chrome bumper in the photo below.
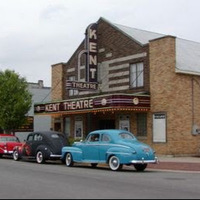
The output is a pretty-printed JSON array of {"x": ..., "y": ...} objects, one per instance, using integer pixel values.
[
  {"x": 8, "y": 152},
  {"x": 143, "y": 161}
]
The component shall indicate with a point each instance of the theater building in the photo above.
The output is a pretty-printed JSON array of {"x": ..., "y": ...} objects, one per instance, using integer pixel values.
[{"x": 125, "y": 78}]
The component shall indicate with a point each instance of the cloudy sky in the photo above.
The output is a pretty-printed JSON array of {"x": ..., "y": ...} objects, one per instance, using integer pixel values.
[{"x": 35, "y": 34}]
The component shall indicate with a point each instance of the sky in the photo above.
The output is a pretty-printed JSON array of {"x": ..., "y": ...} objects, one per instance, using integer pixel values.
[{"x": 36, "y": 34}]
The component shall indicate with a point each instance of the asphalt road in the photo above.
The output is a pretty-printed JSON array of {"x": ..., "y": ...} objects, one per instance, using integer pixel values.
[{"x": 29, "y": 180}]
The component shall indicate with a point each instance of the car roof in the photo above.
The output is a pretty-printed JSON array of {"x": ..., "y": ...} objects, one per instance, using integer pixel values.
[
  {"x": 110, "y": 131},
  {"x": 47, "y": 133}
]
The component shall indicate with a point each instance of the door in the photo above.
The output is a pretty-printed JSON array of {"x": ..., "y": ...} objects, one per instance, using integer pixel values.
[
  {"x": 106, "y": 124},
  {"x": 91, "y": 148},
  {"x": 27, "y": 147}
]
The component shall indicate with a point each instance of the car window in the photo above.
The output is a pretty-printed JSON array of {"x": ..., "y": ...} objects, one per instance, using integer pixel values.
[
  {"x": 55, "y": 136},
  {"x": 93, "y": 138},
  {"x": 30, "y": 138},
  {"x": 9, "y": 139},
  {"x": 106, "y": 138},
  {"x": 38, "y": 137},
  {"x": 126, "y": 136}
]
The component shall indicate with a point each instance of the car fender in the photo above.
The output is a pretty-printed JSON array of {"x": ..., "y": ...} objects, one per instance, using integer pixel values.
[
  {"x": 18, "y": 149},
  {"x": 76, "y": 153},
  {"x": 44, "y": 149},
  {"x": 123, "y": 153}
]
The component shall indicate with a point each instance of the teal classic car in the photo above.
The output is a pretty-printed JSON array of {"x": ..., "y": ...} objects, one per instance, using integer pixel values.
[{"x": 113, "y": 147}]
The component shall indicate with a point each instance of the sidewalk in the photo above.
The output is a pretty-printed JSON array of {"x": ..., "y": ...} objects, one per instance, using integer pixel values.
[{"x": 177, "y": 163}]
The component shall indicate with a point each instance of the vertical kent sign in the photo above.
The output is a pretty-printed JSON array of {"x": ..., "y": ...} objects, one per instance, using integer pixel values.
[
  {"x": 90, "y": 52},
  {"x": 91, "y": 46}
]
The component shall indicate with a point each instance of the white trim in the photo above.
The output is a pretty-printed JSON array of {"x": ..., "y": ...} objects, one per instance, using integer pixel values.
[
  {"x": 118, "y": 74},
  {"x": 179, "y": 71},
  {"x": 119, "y": 66},
  {"x": 71, "y": 70},
  {"x": 125, "y": 80},
  {"x": 139, "y": 55}
]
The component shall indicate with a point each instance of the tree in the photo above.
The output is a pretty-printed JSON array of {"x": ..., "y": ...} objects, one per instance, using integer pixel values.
[{"x": 15, "y": 100}]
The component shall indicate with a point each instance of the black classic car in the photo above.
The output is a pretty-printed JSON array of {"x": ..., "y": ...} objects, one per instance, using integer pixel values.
[{"x": 41, "y": 146}]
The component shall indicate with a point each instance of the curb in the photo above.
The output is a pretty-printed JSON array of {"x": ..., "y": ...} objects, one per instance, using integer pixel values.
[{"x": 179, "y": 166}]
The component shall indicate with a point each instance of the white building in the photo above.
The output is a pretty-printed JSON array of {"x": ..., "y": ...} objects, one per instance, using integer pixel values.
[{"x": 40, "y": 123}]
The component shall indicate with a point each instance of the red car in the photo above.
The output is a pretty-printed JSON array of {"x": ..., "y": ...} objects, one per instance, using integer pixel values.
[{"x": 7, "y": 144}]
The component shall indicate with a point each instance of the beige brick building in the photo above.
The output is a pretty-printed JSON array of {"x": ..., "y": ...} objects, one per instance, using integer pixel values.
[{"x": 148, "y": 83}]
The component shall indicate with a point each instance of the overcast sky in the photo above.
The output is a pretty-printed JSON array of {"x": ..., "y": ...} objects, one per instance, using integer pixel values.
[{"x": 35, "y": 34}]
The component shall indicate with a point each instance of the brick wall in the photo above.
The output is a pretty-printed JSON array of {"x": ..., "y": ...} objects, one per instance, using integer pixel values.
[
  {"x": 57, "y": 82},
  {"x": 172, "y": 93},
  {"x": 112, "y": 44}
]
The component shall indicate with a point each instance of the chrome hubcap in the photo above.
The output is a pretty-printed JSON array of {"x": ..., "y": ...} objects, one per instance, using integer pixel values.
[
  {"x": 68, "y": 159},
  {"x": 39, "y": 157}
]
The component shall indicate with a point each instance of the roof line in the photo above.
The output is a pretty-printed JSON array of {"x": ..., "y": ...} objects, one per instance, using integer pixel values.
[{"x": 115, "y": 27}]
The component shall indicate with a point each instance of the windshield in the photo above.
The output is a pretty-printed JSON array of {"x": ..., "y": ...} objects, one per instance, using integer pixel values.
[
  {"x": 9, "y": 139},
  {"x": 126, "y": 136}
]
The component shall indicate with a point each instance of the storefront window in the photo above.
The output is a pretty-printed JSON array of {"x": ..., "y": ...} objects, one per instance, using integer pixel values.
[
  {"x": 78, "y": 129},
  {"x": 137, "y": 75},
  {"x": 142, "y": 124},
  {"x": 124, "y": 123}
]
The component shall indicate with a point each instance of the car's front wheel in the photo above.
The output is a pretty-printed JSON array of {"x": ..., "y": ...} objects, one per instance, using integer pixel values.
[
  {"x": 69, "y": 160},
  {"x": 16, "y": 155},
  {"x": 114, "y": 163},
  {"x": 40, "y": 157},
  {"x": 140, "y": 167}
]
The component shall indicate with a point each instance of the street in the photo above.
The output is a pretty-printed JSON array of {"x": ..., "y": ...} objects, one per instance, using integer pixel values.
[{"x": 53, "y": 180}]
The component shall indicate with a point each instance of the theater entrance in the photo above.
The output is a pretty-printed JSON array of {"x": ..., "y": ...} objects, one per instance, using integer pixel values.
[{"x": 106, "y": 124}]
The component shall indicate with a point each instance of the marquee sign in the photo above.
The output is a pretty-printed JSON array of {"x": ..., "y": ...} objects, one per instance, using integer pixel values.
[
  {"x": 81, "y": 85},
  {"x": 91, "y": 46},
  {"x": 141, "y": 103},
  {"x": 91, "y": 62}
]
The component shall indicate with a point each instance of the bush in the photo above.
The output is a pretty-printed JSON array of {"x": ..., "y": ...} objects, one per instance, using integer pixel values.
[{"x": 72, "y": 140}]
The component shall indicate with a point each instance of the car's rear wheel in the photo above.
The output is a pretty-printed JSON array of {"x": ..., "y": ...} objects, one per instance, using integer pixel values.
[
  {"x": 114, "y": 163},
  {"x": 69, "y": 160},
  {"x": 16, "y": 155},
  {"x": 40, "y": 157},
  {"x": 140, "y": 167}
]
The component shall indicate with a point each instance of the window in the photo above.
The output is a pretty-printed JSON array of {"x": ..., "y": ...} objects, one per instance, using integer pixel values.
[
  {"x": 9, "y": 139},
  {"x": 78, "y": 129},
  {"x": 106, "y": 138},
  {"x": 137, "y": 75},
  {"x": 124, "y": 122},
  {"x": 142, "y": 124},
  {"x": 126, "y": 136},
  {"x": 93, "y": 138},
  {"x": 72, "y": 92},
  {"x": 30, "y": 138},
  {"x": 37, "y": 137}
]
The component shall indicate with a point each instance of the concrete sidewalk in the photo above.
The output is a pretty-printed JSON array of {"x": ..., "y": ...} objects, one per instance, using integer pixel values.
[{"x": 177, "y": 163}]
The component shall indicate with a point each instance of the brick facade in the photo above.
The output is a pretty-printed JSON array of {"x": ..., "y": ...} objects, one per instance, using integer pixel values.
[
  {"x": 172, "y": 93},
  {"x": 176, "y": 95}
]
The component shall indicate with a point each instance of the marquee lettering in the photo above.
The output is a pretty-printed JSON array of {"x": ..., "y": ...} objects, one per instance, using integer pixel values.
[{"x": 92, "y": 53}]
